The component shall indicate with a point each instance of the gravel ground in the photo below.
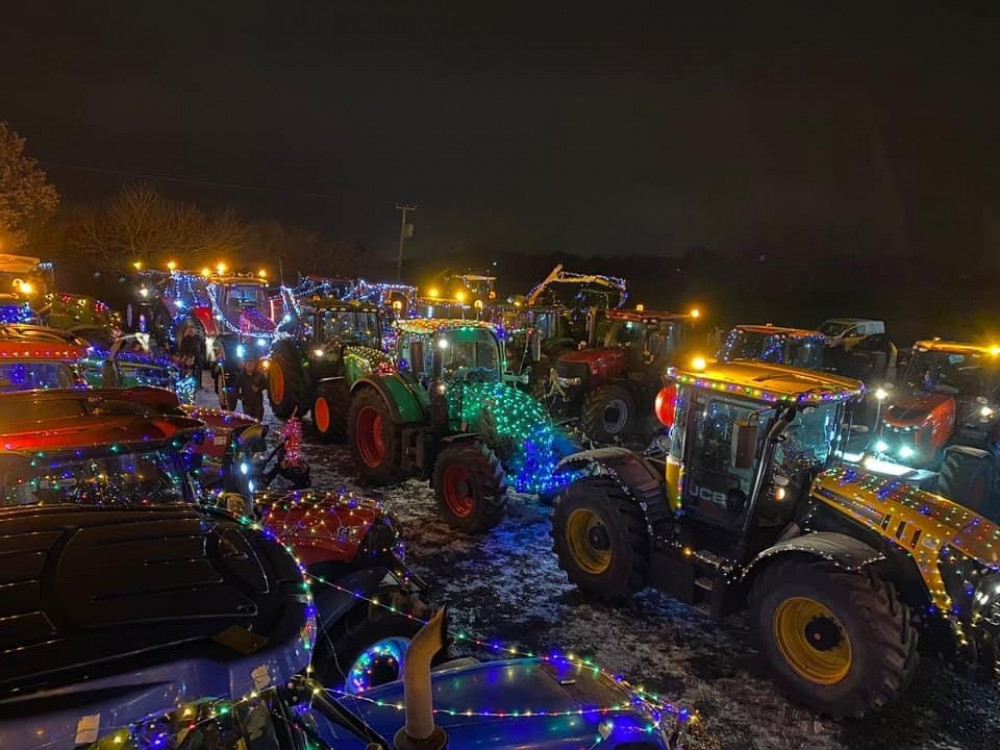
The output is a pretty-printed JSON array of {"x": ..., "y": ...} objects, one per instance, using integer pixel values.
[{"x": 507, "y": 585}]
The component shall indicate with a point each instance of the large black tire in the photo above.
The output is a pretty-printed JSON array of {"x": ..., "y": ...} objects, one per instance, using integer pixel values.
[
  {"x": 286, "y": 383},
  {"x": 469, "y": 486},
  {"x": 967, "y": 478},
  {"x": 870, "y": 650},
  {"x": 330, "y": 410},
  {"x": 600, "y": 538},
  {"x": 375, "y": 438},
  {"x": 608, "y": 413},
  {"x": 339, "y": 648}
]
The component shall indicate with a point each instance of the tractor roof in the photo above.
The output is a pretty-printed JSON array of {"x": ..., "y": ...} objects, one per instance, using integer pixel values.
[
  {"x": 767, "y": 382},
  {"x": 852, "y": 320},
  {"x": 39, "y": 335},
  {"x": 436, "y": 325},
  {"x": 132, "y": 419},
  {"x": 334, "y": 304},
  {"x": 955, "y": 347},
  {"x": 11, "y": 263},
  {"x": 648, "y": 316},
  {"x": 781, "y": 330}
]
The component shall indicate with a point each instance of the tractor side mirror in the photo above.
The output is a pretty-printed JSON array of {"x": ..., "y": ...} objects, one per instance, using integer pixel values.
[
  {"x": 746, "y": 445},
  {"x": 417, "y": 357}
]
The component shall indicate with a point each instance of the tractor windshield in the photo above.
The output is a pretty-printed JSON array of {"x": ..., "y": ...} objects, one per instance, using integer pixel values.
[
  {"x": 30, "y": 376},
  {"x": 149, "y": 477},
  {"x": 353, "y": 326},
  {"x": 810, "y": 439},
  {"x": 957, "y": 373},
  {"x": 775, "y": 348},
  {"x": 469, "y": 349},
  {"x": 660, "y": 338}
]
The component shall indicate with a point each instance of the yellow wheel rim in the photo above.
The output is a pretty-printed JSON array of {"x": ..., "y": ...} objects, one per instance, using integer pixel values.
[
  {"x": 588, "y": 541},
  {"x": 277, "y": 382},
  {"x": 812, "y": 640}
]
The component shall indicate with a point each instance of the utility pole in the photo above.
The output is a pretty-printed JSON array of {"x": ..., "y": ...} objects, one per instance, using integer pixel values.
[{"x": 405, "y": 232}]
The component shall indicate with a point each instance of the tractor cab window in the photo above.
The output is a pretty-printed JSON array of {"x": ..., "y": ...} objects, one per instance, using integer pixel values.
[
  {"x": 961, "y": 374},
  {"x": 349, "y": 326},
  {"x": 153, "y": 477},
  {"x": 714, "y": 488},
  {"x": 30, "y": 376},
  {"x": 240, "y": 297},
  {"x": 810, "y": 439},
  {"x": 806, "y": 353},
  {"x": 468, "y": 350}
]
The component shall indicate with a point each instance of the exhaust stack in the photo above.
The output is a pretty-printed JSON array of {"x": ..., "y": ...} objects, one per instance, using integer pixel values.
[{"x": 419, "y": 732}]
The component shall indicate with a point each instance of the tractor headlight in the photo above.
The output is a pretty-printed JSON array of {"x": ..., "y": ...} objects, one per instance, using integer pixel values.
[
  {"x": 261, "y": 343},
  {"x": 986, "y": 602},
  {"x": 241, "y": 351},
  {"x": 906, "y": 452},
  {"x": 986, "y": 413},
  {"x": 881, "y": 446}
]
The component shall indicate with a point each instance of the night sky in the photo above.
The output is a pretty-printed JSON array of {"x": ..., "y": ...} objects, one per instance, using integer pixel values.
[{"x": 534, "y": 127}]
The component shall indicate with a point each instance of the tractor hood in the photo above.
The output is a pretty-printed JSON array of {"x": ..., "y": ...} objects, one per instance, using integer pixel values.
[
  {"x": 919, "y": 521},
  {"x": 531, "y": 703},
  {"x": 912, "y": 410}
]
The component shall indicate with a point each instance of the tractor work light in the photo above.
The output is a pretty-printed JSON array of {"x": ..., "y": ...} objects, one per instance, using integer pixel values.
[
  {"x": 442, "y": 343},
  {"x": 695, "y": 312},
  {"x": 881, "y": 446},
  {"x": 906, "y": 452},
  {"x": 171, "y": 265},
  {"x": 144, "y": 292},
  {"x": 986, "y": 413},
  {"x": 698, "y": 363},
  {"x": 220, "y": 268},
  {"x": 206, "y": 272},
  {"x": 262, "y": 343},
  {"x": 881, "y": 393},
  {"x": 318, "y": 352},
  {"x": 241, "y": 350}
]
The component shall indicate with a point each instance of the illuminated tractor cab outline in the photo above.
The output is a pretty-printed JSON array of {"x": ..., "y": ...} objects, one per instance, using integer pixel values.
[
  {"x": 312, "y": 370},
  {"x": 776, "y": 345},
  {"x": 940, "y": 429},
  {"x": 840, "y": 571},
  {"x": 611, "y": 387},
  {"x": 410, "y": 422}
]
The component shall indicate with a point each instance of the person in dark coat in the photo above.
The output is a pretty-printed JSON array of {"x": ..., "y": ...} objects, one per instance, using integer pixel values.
[{"x": 250, "y": 386}]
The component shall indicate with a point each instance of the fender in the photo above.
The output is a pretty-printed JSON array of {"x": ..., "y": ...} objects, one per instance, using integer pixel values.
[
  {"x": 842, "y": 550},
  {"x": 967, "y": 450},
  {"x": 404, "y": 401},
  {"x": 637, "y": 476},
  {"x": 204, "y": 316}
]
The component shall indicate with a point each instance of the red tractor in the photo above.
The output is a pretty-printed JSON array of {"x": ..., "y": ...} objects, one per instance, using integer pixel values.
[
  {"x": 941, "y": 427},
  {"x": 611, "y": 385}
]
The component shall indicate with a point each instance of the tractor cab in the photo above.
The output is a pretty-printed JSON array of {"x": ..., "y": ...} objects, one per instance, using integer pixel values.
[
  {"x": 29, "y": 277},
  {"x": 747, "y": 439},
  {"x": 458, "y": 350},
  {"x": 777, "y": 345},
  {"x": 950, "y": 394},
  {"x": 648, "y": 338}
]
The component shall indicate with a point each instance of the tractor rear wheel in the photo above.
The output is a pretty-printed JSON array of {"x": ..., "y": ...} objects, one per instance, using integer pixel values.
[
  {"x": 599, "y": 535},
  {"x": 330, "y": 410},
  {"x": 608, "y": 413},
  {"x": 469, "y": 486},
  {"x": 840, "y": 642},
  {"x": 967, "y": 478},
  {"x": 286, "y": 384},
  {"x": 375, "y": 438}
]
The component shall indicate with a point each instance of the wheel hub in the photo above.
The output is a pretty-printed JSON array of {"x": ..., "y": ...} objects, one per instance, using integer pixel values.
[
  {"x": 598, "y": 538},
  {"x": 823, "y": 634},
  {"x": 615, "y": 416}
]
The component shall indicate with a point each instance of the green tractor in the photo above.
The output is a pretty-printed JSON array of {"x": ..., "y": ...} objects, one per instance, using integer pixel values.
[
  {"x": 841, "y": 571},
  {"x": 451, "y": 413},
  {"x": 334, "y": 344}
]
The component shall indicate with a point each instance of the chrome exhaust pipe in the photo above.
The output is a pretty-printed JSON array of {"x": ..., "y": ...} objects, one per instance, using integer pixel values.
[{"x": 419, "y": 732}]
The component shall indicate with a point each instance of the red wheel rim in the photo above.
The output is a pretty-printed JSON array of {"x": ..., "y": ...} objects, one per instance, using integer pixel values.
[
  {"x": 321, "y": 414},
  {"x": 458, "y": 491},
  {"x": 370, "y": 438}
]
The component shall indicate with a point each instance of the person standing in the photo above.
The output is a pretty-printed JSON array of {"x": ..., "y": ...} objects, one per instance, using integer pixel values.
[{"x": 250, "y": 387}]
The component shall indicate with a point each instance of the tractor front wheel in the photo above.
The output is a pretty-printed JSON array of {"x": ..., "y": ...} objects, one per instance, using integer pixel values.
[
  {"x": 376, "y": 442},
  {"x": 840, "y": 642},
  {"x": 330, "y": 411},
  {"x": 608, "y": 413},
  {"x": 967, "y": 478},
  {"x": 469, "y": 486},
  {"x": 599, "y": 535},
  {"x": 286, "y": 383}
]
